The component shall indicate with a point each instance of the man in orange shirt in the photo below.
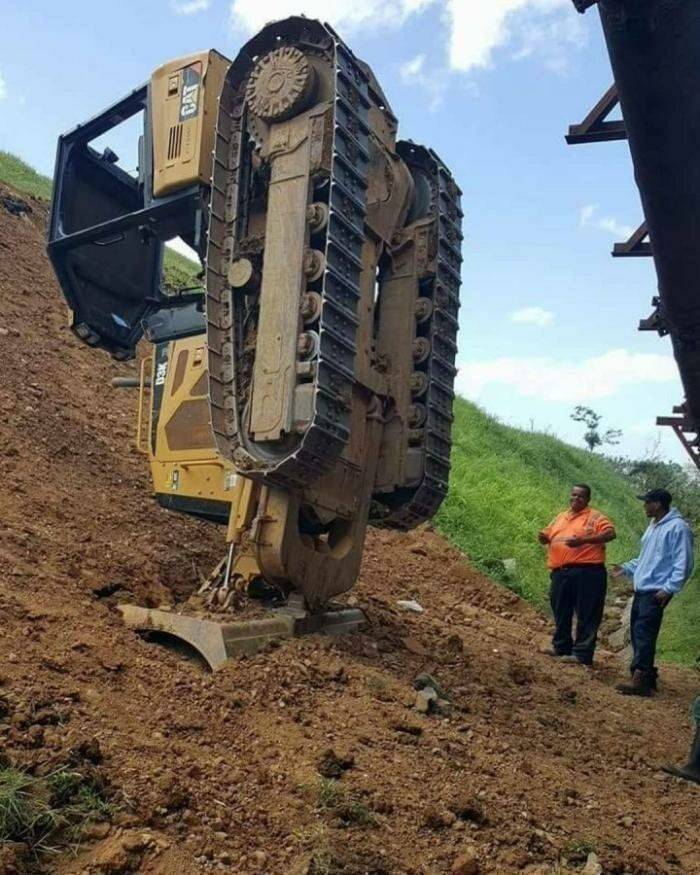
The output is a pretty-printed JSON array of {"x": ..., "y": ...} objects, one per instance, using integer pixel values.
[{"x": 576, "y": 542}]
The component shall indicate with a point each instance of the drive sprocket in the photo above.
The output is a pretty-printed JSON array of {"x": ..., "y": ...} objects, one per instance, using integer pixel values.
[{"x": 280, "y": 84}]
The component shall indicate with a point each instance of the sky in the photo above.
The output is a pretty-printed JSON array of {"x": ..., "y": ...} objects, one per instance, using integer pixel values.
[{"x": 548, "y": 318}]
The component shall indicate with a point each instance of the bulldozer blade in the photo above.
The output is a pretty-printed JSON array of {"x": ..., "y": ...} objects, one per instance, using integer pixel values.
[{"x": 218, "y": 642}]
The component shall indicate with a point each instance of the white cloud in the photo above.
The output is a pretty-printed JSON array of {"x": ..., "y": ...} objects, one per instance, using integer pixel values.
[
  {"x": 413, "y": 68},
  {"x": 589, "y": 218},
  {"x": 414, "y": 72},
  {"x": 478, "y": 28},
  {"x": 532, "y": 316},
  {"x": 551, "y": 38},
  {"x": 251, "y": 15},
  {"x": 3, "y": 89},
  {"x": 569, "y": 381},
  {"x": 189, "y": 7},
  {"x": 474, "y": 29},
  {"x": 586, "y": 214}
]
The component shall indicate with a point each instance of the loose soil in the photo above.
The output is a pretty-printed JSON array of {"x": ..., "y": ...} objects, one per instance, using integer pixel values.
[{"x": 531, "y": 765}]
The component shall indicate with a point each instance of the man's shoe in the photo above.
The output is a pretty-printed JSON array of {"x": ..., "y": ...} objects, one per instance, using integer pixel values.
[
  {"x": 688, "y": 772},
  {"x": 570, "y": 659},
  {"x": 691, "y": 770},
  {"x": 640, "y": 685},
  {"x": 553, "y": 653}
]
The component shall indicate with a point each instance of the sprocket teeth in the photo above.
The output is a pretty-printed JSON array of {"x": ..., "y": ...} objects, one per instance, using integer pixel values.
[{"x": 279, "y": 85}]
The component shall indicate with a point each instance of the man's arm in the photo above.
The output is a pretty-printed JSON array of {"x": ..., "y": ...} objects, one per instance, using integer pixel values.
[
  {"x": 605, "y": 532},
  {"x": 683, "y": 561},
  {"x": 627, "y": 569},
  {"x": 602, "y": 538}
]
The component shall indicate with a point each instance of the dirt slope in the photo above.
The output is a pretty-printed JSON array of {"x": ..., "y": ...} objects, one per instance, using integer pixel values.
[{"x": 535, "y": 763}]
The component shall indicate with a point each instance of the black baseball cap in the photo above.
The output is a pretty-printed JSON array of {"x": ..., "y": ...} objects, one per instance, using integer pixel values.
[{"x": 663, "y": 496}]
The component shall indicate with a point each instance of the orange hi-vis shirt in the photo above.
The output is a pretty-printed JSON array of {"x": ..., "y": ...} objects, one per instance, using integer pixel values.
[{"x": 583, "y": 524}]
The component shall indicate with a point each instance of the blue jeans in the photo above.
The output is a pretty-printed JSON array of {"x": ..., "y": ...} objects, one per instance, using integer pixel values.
[{"x": 647, "y": 614}]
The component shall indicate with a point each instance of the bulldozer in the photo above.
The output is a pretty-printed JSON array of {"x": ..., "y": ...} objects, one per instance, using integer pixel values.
[{"x": 305, "y": 390}]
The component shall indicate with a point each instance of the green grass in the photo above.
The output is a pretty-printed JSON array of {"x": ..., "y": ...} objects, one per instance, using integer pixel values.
[
  {"x": 507, "y": 483},
  {"x": 44, "y": 813},
  {"x": 346, "y": 806},
  {"x": 24, "y": 178},
  {"x": 179, "y": 272}
]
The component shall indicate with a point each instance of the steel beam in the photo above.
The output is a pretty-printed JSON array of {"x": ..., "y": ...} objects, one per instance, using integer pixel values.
[
  {"x": 595, "y": 128},
  {"x": 636, "y": 246}
]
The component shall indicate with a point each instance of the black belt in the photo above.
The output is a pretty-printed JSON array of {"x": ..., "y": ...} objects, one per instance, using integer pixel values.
[{"x": 580, "y": 565}]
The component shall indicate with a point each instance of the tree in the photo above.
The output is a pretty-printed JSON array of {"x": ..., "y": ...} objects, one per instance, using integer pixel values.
[
  {"x": 682, "y": 481},
  {"x": 592, "y": 436}
]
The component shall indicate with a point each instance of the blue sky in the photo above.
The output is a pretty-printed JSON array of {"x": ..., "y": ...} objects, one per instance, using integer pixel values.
[{"x": 548, "y": 318}]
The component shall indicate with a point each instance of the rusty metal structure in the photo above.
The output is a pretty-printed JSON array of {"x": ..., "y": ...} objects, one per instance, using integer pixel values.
[
  {"x": 654, "y": 49},
  {"x": 306, "y": 390}
]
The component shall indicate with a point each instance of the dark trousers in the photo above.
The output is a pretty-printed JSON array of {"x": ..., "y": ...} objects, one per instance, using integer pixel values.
[
  {"x": 578, "y": 590},
  {"x": 645, "y": 624}
]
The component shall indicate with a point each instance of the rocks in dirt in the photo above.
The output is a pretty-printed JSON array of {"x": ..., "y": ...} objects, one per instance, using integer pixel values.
[
  {"x": 14, "y": 858},
  {"x": 466, "y": 864},
  {"x": 592, "y": 866},
  {"x": 410, "y": 605},
  {"x": 407, "y": 728},
  {"x": 112, "y": 587},
  {"x": 331, "y": 765},
  {"x": 425, "y": 700},
  {"x": 174, "y": 795},
  {"x": 428, "y": 702},
  {"x": 454, "y": 646},
  {"x": 413, "y": 645},
  {"x": 469, "y": 808},
  {"x": 424, "y": 680},
  {"x": 95, "y": 832},
  {"x": 15, "y": 206},
  {"x": 5, "y": 708},
  {"x": 88, "y": 751},
  {"x": 619, "y": 639},
  {"x": 430, "y": 696},
  {"x": 436, "y": 818},
  {"x": 520, "y": 673}
]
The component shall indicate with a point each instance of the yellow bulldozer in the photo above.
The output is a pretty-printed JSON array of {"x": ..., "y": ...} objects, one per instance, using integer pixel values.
[{"x": 305, "y": 391}]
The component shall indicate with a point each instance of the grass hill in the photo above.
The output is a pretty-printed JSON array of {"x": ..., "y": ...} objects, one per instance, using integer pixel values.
[
  {"x": 24, "y": 178},
  {"x": 505, "y": 485}
]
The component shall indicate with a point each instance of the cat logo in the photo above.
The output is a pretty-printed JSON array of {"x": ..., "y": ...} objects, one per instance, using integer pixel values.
[{"x": 189, "y": 101}]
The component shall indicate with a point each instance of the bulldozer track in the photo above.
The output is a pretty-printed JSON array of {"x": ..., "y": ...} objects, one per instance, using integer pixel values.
[
  {"x": 442, "y": 286},
  {"x": 328, "y": 432}
]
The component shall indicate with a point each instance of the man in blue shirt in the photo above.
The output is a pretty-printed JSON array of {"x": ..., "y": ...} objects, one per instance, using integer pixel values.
[{"x": 659, "y": 572}]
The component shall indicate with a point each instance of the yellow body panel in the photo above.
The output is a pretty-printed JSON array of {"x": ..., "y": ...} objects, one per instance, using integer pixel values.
[
  {"x": 184, "y": 95},
  {"x": 184, "y": 462}
]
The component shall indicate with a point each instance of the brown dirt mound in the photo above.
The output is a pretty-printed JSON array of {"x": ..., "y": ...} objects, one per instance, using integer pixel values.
[{"x": 528, "y": 765}]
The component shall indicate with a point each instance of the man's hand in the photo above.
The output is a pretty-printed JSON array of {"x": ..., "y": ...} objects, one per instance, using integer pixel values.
[
  {"x": 662, "y": 597},
  {"x": 542, "y": 538},
  {"x": 575, "y": 542},
  {"x": 617, "y": 571}
]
